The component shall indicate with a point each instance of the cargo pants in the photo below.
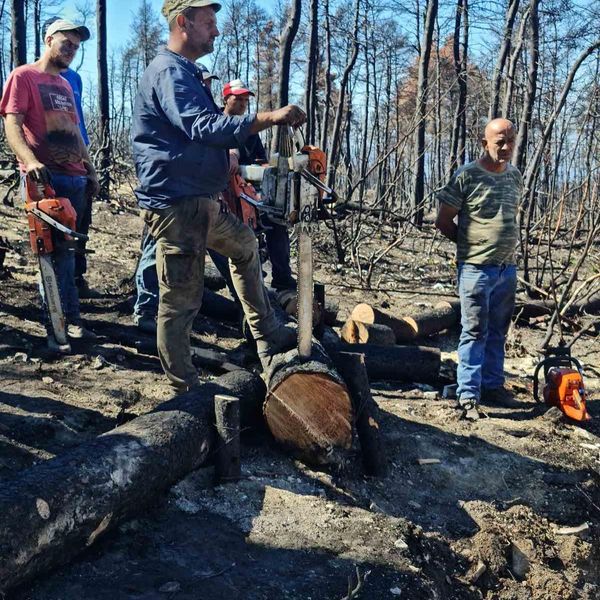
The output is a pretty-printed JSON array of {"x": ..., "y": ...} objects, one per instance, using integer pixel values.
[{"x": 183, "y": 232}]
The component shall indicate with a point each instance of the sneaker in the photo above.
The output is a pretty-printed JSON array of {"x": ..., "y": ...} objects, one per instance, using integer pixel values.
[
  {"x": 53, "y": 345},
  {"x": 146, "y": 323},
  {"x": 77, "y": 331},
  {"x": 85, "y": 291},
  {"x": 469, "y": 409},
  {"x": 500, "y": 397},
  {"x": 281, "y": 340}
]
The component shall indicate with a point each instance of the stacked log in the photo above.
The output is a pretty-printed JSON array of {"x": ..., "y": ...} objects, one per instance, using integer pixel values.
[
  {"x": 390, "y": 363},
  {"x": 443, "y": 315}
]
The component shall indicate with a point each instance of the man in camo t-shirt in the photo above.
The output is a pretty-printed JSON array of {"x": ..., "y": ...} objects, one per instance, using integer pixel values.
[{"x": 484, "y": 195}]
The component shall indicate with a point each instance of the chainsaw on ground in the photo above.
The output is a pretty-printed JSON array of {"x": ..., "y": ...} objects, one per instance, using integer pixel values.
[
  {"x": 293, "y": 193},
  {"x": 563, "y": 387},
  {"x": 49, "y": 216}
]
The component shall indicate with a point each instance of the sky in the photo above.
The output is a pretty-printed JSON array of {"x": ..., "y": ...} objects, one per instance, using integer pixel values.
[{"x": 119, "y": 18}]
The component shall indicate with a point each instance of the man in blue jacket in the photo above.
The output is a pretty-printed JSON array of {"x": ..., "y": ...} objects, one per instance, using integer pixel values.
[{"x": 180, "y": 146}]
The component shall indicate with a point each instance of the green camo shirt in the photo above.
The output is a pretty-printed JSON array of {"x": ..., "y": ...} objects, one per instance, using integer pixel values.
[{"x": 487, "y": 204}]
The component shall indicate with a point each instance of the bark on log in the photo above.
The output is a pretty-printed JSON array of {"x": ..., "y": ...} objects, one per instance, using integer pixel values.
[
  {"x": 58, "y": 508},
  {"x": 356, "y": 332},
  {"x": 308, "y": 408},
  {"x": 391, "y": 363},
  {"x": 537, "y": 308},
  {"x": 351, "y": 367},
  {"x": 219, "y": 308},
  {"x": 443, "y": 315}
]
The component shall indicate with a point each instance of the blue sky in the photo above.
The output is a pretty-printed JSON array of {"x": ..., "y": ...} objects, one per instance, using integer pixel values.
[{"x": 119, "y": 19}]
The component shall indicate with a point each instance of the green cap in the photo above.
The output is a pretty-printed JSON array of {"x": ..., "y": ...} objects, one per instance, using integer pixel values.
[{"x": 172, "y": 8}]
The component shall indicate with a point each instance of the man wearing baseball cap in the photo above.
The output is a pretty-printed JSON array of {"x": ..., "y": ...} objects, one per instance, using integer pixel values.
[
  {"x": 180, "y": 146},
  {"x": 236, "y": 97},
  {"x": 42, "y": 128}
]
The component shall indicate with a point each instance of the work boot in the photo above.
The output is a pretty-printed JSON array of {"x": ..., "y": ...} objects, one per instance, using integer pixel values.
[
  {"x": 56, "y": 348},
  {"x": 500, "y": 397},
  {"x": 146, "y": 323},
  {"x": 76, "y": 331},
  {"x": 85, "y": 291},
  {"x": 469, "y": 409},
  {"x": 284, "y": 338}
]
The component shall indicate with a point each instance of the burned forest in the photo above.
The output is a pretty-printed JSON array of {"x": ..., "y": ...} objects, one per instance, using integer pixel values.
[{"x": 406, "y": 406}]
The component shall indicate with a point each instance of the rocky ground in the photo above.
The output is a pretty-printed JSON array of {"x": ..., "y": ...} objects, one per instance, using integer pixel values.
[{"x": 509, "y": 509}]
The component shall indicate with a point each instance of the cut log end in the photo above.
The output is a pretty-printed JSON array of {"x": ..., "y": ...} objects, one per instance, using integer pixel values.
[{"x": 311, "y": 413}]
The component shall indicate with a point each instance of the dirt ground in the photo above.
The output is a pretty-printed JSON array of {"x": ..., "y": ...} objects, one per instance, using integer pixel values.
[{"x": 489, "y": 520}]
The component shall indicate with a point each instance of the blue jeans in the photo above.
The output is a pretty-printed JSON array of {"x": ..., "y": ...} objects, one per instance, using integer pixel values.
[
  {"x": 63, "y": 256},
  {"x": 146, "y": 278},
  {"x": 278, "y": 248},
  {"x": 487, "y": 300}
]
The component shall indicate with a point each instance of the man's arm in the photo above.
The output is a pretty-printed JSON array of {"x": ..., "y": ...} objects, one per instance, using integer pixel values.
[
  {"x": 445, "y": 221},
  {"x": 13, "y": 125},
  {"x": 288, "y": 115}
]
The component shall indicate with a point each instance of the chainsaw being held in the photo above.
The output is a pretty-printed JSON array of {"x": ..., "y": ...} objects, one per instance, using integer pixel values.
[
  {"x": 293, "y": 193},
  {"x": 49, "y": 216},
  {"x": 563, "y": 387}
]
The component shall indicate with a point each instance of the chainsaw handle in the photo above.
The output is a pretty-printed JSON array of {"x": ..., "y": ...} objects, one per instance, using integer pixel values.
[
  {"x": 32, "y": 188},
  {"x": 536, "y": 382}
]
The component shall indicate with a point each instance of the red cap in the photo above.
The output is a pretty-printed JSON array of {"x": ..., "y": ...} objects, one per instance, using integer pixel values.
[{"x": 236, "y": 88}]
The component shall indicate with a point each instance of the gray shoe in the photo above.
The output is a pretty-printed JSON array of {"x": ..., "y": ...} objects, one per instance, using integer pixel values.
[
  {"x": 146, "y": 323},
  {"x": 77, "y": 331},
  {"x": 281, "y": 340},
  {"x": 469, "y": 409}
]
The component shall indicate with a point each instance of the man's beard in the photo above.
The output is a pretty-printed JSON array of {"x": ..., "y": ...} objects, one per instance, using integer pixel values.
[
  {"x": 206, "y": 47},
  {"x": 60, "y": 63}
]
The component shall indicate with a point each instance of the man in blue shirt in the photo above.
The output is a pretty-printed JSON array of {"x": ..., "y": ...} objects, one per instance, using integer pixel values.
[{"x": 180, "y": 147}]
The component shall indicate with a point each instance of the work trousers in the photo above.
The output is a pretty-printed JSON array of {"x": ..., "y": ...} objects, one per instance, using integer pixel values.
[{"x": 183, "y": 232}]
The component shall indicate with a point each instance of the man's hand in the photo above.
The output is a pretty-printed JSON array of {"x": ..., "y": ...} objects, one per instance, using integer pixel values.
[
  {"x": 93, "y": 187},
  {"x": 289, "y": 115},
  {"x": 445, "y": 221},
  {"x": 37, "y": 172}
]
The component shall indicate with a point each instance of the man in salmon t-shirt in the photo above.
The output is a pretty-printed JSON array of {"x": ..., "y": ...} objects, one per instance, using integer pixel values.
[{"x": 41, "y": 125}]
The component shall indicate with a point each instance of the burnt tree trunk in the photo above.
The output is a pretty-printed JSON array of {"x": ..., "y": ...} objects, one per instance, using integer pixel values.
[
  {"x": 58, "y": 508},
  {"x": 19, "y": 34},
  {"x": 505, "y": 46},
  {"x": 103, "y": 104},
  {"x": 421, "y": 112},
  {"x": 390, "y": 363}
]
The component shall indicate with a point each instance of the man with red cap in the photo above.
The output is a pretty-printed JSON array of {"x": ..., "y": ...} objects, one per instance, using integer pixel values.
[{"x": 236, "y": 97}]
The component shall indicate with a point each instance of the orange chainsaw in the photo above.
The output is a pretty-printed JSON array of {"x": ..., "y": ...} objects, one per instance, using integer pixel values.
[
  {"x": 563, "y": 388},
  {"x": 48, "y": 216},
  {"x": 242, "y": 200}
]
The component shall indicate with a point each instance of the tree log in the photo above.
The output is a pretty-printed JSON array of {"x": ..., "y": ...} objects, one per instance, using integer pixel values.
[
  {"x": 442, "y": 316},
  {"x": 58, "y": 508},
  {"x": 366, "y": 412},
  {"x": 391, "y": 363},
  {"x": 356, "y": 332},
  {"x": 215, "y": 306},
  {"x": 308, "y": 408}
]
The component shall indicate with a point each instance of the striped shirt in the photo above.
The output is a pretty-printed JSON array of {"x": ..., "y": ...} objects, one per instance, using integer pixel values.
[{"x": 487, "y": 208}]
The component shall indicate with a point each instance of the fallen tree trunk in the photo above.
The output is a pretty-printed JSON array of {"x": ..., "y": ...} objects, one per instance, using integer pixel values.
[
  {"x": 58, "y": 508},
  {"x": 308, "y": 408},
  {"x": 537, "y": 308},
  {"x": 443, "y": 315},
  {"x": 357, "y": 332},
  {"x": 391, "y": 363}
]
